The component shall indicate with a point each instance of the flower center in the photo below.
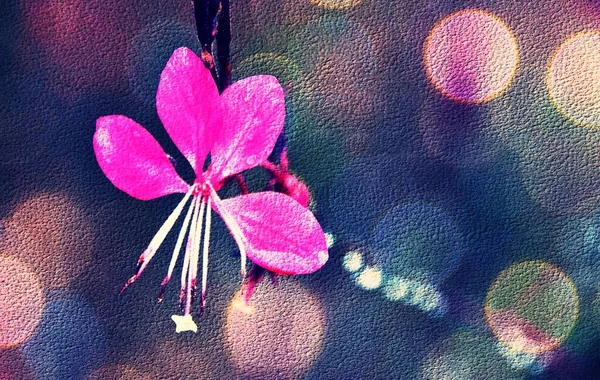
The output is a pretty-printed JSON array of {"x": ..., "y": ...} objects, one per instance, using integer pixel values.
[{"x": 201, "y": 189}]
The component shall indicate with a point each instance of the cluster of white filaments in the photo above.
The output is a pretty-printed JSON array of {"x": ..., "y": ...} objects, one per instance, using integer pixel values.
[{"x": 196, "y": 221}]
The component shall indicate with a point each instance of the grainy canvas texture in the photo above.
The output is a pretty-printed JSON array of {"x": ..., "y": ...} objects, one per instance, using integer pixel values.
[{"x": 451, "y": 151}]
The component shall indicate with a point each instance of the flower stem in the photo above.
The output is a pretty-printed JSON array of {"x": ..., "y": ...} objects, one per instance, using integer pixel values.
[
  {"x": 223, "y": 46},
  {"x": 205, "y": 12}
]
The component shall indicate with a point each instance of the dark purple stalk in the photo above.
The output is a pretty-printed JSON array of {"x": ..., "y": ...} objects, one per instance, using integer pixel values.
[
  {"x": 205, "y": 13},
  {"x": 223, "y": 46}
]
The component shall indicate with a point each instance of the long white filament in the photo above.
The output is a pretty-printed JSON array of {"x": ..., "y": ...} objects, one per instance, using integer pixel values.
[
  {"x": 179, "y": 243},
  {"x": 186, "y": 259},
  {"x": 235, "y": 230},
  {"x": 205, "y": 251},
  {"x": 167, "y": 226},
  {"x": 196, "y": 249}
]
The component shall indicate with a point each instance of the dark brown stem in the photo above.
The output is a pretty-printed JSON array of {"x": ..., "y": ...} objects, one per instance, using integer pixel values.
[
  {"x": 205, "y": 13},
  {"x": 223, "y": 46}
]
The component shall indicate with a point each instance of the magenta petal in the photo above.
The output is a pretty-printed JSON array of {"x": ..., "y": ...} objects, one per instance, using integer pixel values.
[
  {"x": 187, "y": 103},
  {"x": 279, "y": 234},
  {"x": 132, "y": 159},
  {"x": 253, "y": 116}
]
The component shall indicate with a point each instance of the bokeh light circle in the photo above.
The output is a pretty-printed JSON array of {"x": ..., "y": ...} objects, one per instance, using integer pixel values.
[
  {"x": 21, "y": 302},
  {"x": 573, "y": 78},
  {"x": 278, "y": 333},
  {"x": 336, "y": 4},
  {"x": 417, "y": 241},
  {"x": 288, "y": 73},
  {"x": 53, "y": 235},
  {"x": 426, "y": 297},
  {"x": 370, "y": 278},
  {"x": 396, "y": 288},
  {"x": 353, "y": 261},
  {"x": 532, "y": 307},
  {"x": 471, "y": 56},
  {"x": 70, "y": 341},
  {"x": 329, "y": 238},
  {"x": 559, "y": 168}
]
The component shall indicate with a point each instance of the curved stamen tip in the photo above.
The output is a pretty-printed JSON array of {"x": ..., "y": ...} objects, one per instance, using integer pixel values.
[
  {"x": 129, "y": 282},
  {"x": 163, "y": 287},
  {"x": 184, "y": 323}
]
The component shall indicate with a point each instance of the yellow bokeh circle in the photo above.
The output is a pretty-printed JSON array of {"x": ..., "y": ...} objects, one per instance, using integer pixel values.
[
  {"x": 532, "y": 307},
  {"x": 573, "y": 78},
  {"x": 279, "y": 333},
  {"x": 21, "y": 302},
  {"x": 471, "y": 56}
]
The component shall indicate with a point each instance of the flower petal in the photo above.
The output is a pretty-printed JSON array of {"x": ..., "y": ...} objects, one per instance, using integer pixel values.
[
  {"x": 279, "y": 234},
  {"x": 187, "y": 103},
  {"x": 133, "y": 160},
  {"x": 253, "y": 116}
]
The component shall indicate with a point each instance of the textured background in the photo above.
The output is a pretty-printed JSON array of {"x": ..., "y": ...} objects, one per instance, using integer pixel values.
[{"x": 454, "y": 159}]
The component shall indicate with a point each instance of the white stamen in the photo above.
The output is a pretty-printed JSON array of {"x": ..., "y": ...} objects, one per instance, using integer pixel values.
[
  {"x": 188, "y": 253},
  {"x": 205, "y": 251},
  {"x": 193, "y": 261},
  {"x": 196, "y": 247},
  {"x": 179, "y": 243},
  {"x": 234, "y": 228},
  {"x": 167, "y": 226}
]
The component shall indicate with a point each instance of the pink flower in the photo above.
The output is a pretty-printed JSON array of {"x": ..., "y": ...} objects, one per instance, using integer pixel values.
[{"x": 239, "y": 129}]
